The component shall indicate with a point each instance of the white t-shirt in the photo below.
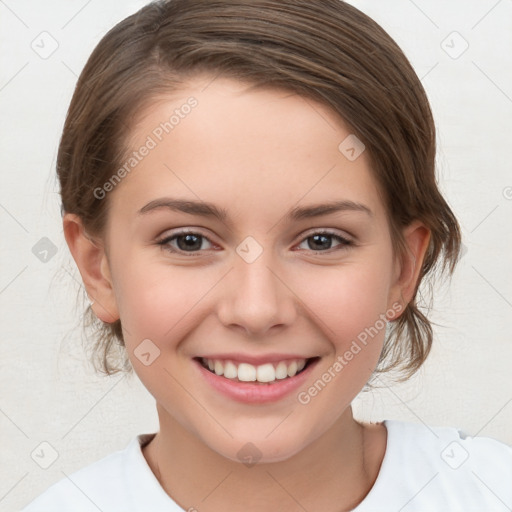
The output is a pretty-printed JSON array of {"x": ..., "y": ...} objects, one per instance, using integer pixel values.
[{"x": 424, "y": 469}]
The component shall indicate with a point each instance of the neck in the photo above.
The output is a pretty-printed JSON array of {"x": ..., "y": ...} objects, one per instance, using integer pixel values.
[{"x": 196, "y": 476}]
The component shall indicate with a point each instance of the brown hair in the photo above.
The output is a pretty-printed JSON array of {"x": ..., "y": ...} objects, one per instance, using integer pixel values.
[{"x": 325, "y": 50}]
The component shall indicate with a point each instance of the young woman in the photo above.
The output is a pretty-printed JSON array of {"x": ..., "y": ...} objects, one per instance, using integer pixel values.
[{"x": 249, "y": 193}]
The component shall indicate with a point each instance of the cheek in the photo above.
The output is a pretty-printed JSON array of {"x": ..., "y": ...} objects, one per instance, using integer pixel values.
[
  {"x": 158, "y": 301},
  {"x": 346, "y": 304},
  {"x": 345, "y": 300}
]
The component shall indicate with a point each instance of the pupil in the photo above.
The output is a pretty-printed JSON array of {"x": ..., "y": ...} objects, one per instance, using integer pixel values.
[
  {"x": 189, "y": 238},
  {"x": 316, "y": 237}
]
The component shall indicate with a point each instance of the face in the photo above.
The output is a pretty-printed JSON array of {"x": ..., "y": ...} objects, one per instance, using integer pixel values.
[{"x": 264, "y": 282}]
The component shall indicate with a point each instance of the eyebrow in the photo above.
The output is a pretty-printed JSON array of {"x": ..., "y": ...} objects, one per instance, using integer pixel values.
[{"x": 205, "y": 209}]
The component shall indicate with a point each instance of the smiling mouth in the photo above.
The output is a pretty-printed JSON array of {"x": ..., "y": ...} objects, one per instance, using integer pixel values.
[{"x": 262, "y": 374}]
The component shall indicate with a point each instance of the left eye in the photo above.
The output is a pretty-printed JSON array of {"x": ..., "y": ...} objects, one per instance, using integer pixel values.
[
  {"x": 190, "y": 242},
  {"x": 321, "y": 237}
]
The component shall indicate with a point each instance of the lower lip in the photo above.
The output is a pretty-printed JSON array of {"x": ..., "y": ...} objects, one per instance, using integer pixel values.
[{"x": 252, "y": 392}]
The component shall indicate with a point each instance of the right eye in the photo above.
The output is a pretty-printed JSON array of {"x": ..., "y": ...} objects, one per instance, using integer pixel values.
[{"x": 185, "y": 240}]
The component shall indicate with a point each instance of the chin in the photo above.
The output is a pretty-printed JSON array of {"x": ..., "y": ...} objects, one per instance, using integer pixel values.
[{"x": 258, "y": 452}]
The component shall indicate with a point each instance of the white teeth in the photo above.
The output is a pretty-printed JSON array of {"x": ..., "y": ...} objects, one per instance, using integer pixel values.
[
  {"x": 246, "y": 372},
  {"x": 219, "y": 370},
  {"x": 281, "y": 370},
  {"x": 265, "y": 373},
  {"x": 292, "y": 369},
  {"x": 230, "y": 370}
]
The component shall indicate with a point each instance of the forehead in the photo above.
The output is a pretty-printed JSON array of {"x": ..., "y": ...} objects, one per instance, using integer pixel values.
[{"x": 223, "y": 142}]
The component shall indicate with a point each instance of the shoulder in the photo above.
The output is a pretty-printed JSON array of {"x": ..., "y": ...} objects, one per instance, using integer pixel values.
[
  {"x": 442, "y": 468},
  {"x": 107, "y": 484},
  {"x": 452, "y": 448}
]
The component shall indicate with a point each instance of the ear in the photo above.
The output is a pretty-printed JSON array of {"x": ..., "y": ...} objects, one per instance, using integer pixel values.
[
  {"x": 417, "y": 238},
  {"x": 92, "y": 262}
]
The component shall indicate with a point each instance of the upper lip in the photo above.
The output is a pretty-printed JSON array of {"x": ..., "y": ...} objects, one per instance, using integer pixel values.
[{"x": 256, "y": 360}]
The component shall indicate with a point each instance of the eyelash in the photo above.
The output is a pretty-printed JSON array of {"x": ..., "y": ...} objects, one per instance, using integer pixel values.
[{"x": 345, "y": 243}]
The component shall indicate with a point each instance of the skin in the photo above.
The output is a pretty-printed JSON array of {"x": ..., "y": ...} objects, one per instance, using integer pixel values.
[{"x": 257, "y": 154}]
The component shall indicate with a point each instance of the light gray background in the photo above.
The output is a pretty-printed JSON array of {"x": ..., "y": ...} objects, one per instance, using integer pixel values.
[{"x": 48, "y": 391}]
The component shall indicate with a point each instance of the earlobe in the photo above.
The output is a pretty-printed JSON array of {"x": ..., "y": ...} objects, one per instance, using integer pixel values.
[
  {"x": 417, "y": 238},
  {"x": 92, "y": 262}
]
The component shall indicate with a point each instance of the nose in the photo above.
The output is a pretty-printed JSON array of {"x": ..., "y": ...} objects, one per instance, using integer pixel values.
[{"x": 256, "y": 298}]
